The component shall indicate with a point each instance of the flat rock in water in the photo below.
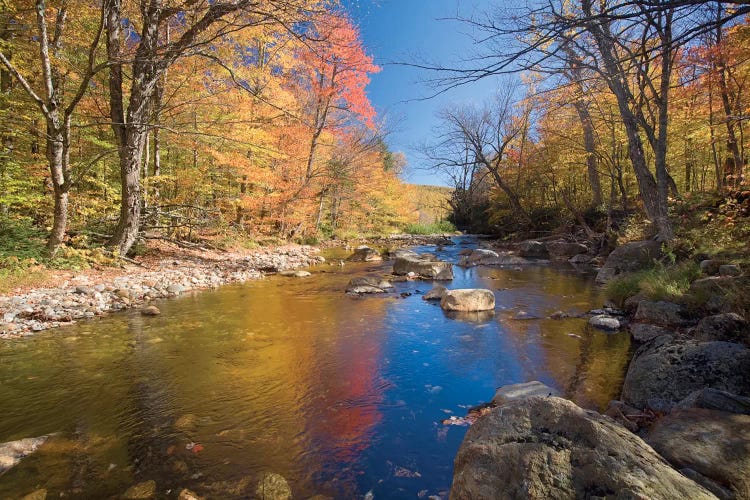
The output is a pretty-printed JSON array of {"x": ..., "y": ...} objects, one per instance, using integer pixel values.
[
  {"x": 425, "y": 266},
  {"x": 512, "y": 392},
  {"x": 365, "y": 254},
  {"x": 295, "y": 274},
  {"x": 606, "y": 322},
  {"x": 367, "y": 285},
  {"x": 468, "y": 300},
  {"x": 713, "y": 443},
  {"x": 150, "y": 311},
  {"x": 14, "y": 451},
  {"x": 548, "y": 447},
  {"x": 666, "y": 370}
]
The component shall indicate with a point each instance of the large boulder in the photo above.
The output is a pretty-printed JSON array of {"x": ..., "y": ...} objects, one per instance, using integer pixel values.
[
  {"x": 729, "y": 327},
  {"x": 713, "y": 443},
  {"x": 666, "y": 370},
  {"x": 547, "y": 447},
  {"x": 714, "y": 399},
  {"x": 365, "y": 254},
  {"x": 436, "y": 293},
  {"x": 644, "y": 332},
  {"x": 661, "y": 313},
  {"x": 716, "y": 293},
  {"x": 508, "y": 393},
  {"x": 365, "y": 285},
  {"x": 629, "y": 257},
  {"x": 533, "y": 250},
  {"x": 479, "y": 257},
  {"x": 425, "y": 266},
  {"x": 564, "y": 250},
  {"x": 468, "y": 300}
]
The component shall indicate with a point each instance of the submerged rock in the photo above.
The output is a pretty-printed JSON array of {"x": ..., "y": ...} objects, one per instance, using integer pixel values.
[
  {"x": 468, "y": 300},
  {"x": 365, "y": 254},
  {"x": 666, "y": 370},
  {"x": 13, "y": 452},
  {"x": 713, "y": 443},
  {"x": 273, "y": 487},
  {"x": 547, "y": 447},
  {"x": 628, "y": 258},
  {"x": 141, "y": 491},
  {"x": 150, "y": 311},
  {"x": 366, "y": 285}
]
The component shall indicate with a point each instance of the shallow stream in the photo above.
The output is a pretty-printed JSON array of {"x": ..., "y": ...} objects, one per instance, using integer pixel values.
[{"x": 342, "y": 396}]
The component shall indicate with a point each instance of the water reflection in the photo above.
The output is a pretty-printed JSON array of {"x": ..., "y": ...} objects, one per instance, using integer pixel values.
[{"x": 340, "y": 396}]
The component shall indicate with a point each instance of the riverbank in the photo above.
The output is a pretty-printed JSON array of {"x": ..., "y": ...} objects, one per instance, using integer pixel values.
[{"x": 64, "y": 297}]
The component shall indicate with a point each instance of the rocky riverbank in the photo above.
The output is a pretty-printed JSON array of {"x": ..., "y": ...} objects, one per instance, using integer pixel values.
[{"x": 88, "y": 294}]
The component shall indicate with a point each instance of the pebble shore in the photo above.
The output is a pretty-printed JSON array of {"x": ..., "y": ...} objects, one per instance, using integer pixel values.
[{"x": 87, "y": 295}]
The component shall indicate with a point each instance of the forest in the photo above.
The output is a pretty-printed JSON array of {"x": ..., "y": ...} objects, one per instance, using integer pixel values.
[{"x": 128, "y": 120}]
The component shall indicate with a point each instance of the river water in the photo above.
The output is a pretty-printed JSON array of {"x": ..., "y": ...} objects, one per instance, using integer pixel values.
[{"x": 342, "y": 396}]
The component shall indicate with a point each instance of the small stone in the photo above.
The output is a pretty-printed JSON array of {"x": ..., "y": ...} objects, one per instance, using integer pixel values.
[
  {"x": 150, "y": 311},
  {"x": 605, "y": 322},
  {"x": 141, "y": 491}
]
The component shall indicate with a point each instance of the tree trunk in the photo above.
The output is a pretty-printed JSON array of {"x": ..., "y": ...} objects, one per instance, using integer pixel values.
[
  {"x": 56, "y": 158},
  {"x": 589, "y": 143}
]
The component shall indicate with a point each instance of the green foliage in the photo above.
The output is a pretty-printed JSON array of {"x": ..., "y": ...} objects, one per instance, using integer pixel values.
[
  {"x": 21, "y": 239},
  {"x": 659, "y": 283},
  {"x": 434, "y": 228}
]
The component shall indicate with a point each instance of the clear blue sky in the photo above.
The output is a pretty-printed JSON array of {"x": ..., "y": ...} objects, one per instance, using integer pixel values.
[{"x": 411, "y": 31}]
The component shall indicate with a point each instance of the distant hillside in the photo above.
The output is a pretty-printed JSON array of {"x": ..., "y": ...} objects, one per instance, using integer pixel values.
[{"x": 432, "y": 202}]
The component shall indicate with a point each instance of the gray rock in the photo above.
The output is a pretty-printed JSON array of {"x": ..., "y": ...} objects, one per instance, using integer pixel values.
[
  {"x": 479, "y": 257},
  {"x": 644, "y": 332},
  {"x": 533, "y": 250},
  {"x": 628, "y": 258},
  {"x": 564, "y": 250},
  {"x": 720, "y": 491},
  {"x": 605, "y": 322},
  {"x": 175, "y": 289},
  {"x": 424, "y": 266},
  {"x": 667, "y": 370},
  {"x": 581, "y": 259},
  {"x": 713, "y": 293},
  {"x": 365, "y": 254},
  {"x": 150, "y": 311},
  {"x": 729, "y": 327},
  {"x": 295, "y": 274},
  {"x": 84, "y": 290},
  {"x": 547, "y": 447},
  {"x": 713, "y": 443},
  {"x": 661, "y": 313},
  {"x": 436, "y": 293},
  {"x": 468, "y": 300},
  {"x": 714, "y": 399},
  {"x": 730, "y": 270},
  {"x": 512, "y": 392},
  {"x": 13, "y": 452},
  {"x": 367, "y": 285}
]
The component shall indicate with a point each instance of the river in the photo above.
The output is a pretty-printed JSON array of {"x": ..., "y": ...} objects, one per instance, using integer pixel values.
[{"x": 342, "y": 396}]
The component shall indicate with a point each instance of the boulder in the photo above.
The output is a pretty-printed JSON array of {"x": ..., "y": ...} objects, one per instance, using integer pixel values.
[
  {"x": 547, "y": 447},
  {"x": 581, "y": 259},
  {"x": 468, "y": 300},
  {"x": 479, "y": 257},
  {"x": 710, "y": 266},
  {"x": 13, "y": 452},
  {"x": 175, "y": 289},
  {"x": 666, "y": 370},
  {"x": 509, "y": 259},
  {"x": 714, "y": 399},
  {"x": 629, "y": 257},
  {"x": 436, "y": 293},
  {"x": 606, "y": 322},
  {"x": 533, "y": 250},
  {"x": 729, "y": 327},
  {"x": 661, "y": 313},
  {"x": 643, "y": 332},
  {"x": 365, "y": 254},
  {"x": 512, "y": 392},
  {"x": 730, "y": 270},
  {"x": 367, "y": 285},
  {"x": 713, "y": 443},
  {"x": 273, "y": 487},
  {"x": 424, "y": 266},
  {"x": 564, "y": 250}
]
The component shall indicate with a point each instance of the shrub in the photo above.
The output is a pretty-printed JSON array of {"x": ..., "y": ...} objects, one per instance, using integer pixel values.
[{"x": 434, "y": 228}]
